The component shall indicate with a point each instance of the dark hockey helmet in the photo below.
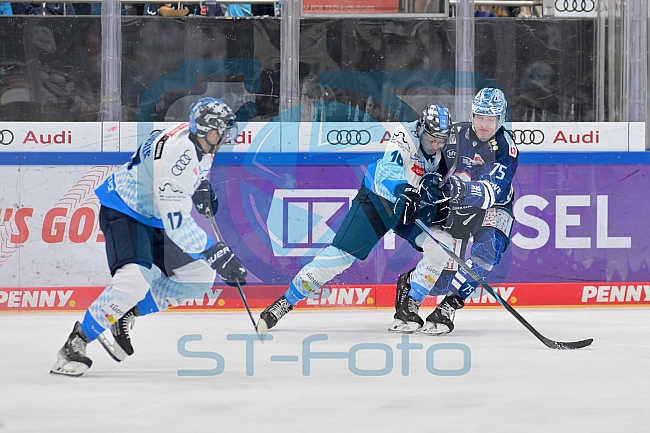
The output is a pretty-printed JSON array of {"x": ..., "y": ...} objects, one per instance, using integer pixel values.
[
  {"x": 210, "y": 113},
  {"x": 436, "y": 121},
  {"x": 490, "y": 102}
]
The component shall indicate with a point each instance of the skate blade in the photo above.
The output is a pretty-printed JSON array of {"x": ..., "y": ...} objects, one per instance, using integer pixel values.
[
  {"x": 434, "y": 329},
  {"x": 69, "y": 368},
  {"x": 262, "y": 329},
  {"x": 113, "y": 349},
  {"x": 403, "y": 327}
]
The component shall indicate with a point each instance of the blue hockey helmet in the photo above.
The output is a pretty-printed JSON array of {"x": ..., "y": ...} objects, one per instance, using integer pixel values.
[
  {"x": 210, "y": 113},
  {"x": 490, "y": 102},
  {"x": 436, "y": 121}
]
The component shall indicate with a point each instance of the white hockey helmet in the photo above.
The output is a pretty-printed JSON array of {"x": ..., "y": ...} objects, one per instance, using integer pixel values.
[
  {"x": 436, "y": 121},
  {"x": 490, "y": 102},
  {"x": 210, "y": 113}
]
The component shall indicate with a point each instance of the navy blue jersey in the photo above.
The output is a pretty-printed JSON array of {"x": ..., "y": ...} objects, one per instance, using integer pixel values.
[{"x": 486, "y": 167}]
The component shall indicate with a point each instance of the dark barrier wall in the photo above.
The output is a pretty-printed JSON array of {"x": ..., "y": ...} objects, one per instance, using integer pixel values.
[
  {"x": 50, "y": 67},
  {"x": 545, "y": 67},
  {"x": 193, "y": 51}
]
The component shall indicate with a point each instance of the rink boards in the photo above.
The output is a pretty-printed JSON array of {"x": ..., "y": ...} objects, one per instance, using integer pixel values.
[
  {"x": 580, "y": 236},
  {"x": 226, "y": 298}
]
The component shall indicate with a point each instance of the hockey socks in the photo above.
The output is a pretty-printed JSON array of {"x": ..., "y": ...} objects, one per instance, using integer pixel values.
[
  {"x": 418, "y": 292},
  {"x": 293, "y": 295},
  {"x": 147, "y": 305},
  {"x": 90, "y": 327},
  {"x": 463, "y": 284}
]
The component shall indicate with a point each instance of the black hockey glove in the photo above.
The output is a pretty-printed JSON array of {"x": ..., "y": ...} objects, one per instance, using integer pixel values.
[
  {"x": 226, "y": 264},
  {"x": 204, "y": 196},
  {"x": 454, "y": 189},
  {"x": 408, "y": 203},
  {"x": 430, "y": 188}
]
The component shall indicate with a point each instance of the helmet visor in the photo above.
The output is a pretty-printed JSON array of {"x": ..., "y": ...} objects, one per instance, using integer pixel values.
[{"x": 230, "y": 132}]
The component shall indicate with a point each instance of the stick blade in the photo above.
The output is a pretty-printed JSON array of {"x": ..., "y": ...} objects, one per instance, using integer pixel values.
[
  {"x": 567, "y": 345},
  {"x": 262, "y": 330}
]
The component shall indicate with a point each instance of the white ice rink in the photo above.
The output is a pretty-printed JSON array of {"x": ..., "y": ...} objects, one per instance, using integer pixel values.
[{"x": 514, "y": 383}]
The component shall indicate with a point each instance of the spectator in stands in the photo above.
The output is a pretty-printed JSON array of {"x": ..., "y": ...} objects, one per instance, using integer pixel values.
[
  {"x": 247, "y": 10},
  {"x": 494, "y": 11},
  {"x": 262, "y": 10},
  {"x": 239, "y": 11},
  {"x": 428, "y": 6},
  {"x": 44, "y": 9},
  {"x": 178, "y": 9},
  {"x": 5, "y": 8}
]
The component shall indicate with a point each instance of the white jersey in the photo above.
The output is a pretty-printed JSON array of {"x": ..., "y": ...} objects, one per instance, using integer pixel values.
[
  {"x": 403, "y": 162},
  {"x": 157, "y": 185}
]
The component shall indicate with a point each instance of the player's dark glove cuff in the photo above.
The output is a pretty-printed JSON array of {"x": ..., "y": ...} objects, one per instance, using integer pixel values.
[
  {"x": 430, "y": 188},
  {"x": 229, "y": 268},
  {"x": 407, "y": 204},
  {"x": 454, "y": 189},
  {"x": 204, "y": 198}
]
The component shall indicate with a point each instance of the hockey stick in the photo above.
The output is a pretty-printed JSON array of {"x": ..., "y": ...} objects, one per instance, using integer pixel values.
[
  {"x": 547, "y": 342},
  {"x": 452, "y": 169},
  {"x": 208, "y": 214}
]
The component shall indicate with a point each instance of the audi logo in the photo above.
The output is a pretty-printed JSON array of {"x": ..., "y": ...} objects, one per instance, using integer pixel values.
[
  {"x": 6, "y": 137},
  {"x": 181, "y": 164},
  {"x": 528, "y": 136},
  {"x": 575, "y": 5},
  {"x": 351, "y": 137}
]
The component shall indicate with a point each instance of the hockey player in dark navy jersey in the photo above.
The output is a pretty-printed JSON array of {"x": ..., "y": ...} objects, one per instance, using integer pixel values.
[{"x": 480, "y": 196}]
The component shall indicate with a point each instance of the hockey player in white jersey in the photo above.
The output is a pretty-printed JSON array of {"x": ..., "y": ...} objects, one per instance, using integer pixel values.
[
  {"x": 389, "y": 198},
  {"x": 156, "y": 252},
  {"x": 480, "y": 195}
]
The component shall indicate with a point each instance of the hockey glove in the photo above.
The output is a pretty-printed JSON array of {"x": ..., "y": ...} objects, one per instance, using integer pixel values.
[
  {"x": 204, "y": 196},
  {"x": 430, "y": 188},
  {"x": 229, "y": 268},
  {"x": 454, "y": 189},
  {"x": 407, "y": 204}
]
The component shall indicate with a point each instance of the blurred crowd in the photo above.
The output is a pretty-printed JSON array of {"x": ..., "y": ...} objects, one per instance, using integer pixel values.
[
  {"x": 208, "y": 8},
  {"x": 212, "y": 8}
]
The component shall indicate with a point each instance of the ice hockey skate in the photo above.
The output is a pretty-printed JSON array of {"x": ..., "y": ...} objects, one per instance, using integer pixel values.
[
  {"x": 273, "y": 313},
  {"x": 407, "y": 320},
  {"x": 403, "y": 288},
  {"x": 441, "y": 321},
  {"x": 72, "y": 359},
  {"x": 121, "y": 347}
]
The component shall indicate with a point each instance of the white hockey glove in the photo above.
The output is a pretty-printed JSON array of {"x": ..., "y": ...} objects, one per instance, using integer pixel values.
[
  {"x": 229, "y": 268},
  {"x": 408, "y": 203}
]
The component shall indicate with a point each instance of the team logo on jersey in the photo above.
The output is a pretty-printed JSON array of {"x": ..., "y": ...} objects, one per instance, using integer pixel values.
[
  {"x": 164, "y": 188},
  {"x": 181, "y": 164},
  {"x": 417, "y": 170},
  {"x": 477, "y": 160}
]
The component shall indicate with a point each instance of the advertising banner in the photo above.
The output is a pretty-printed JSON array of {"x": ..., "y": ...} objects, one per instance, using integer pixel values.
[
  {"x": 349, "y": 7},
  {"x": 309, "y": 137},
  {"x": 50, "y": 136},
  {"x": 577, "y": 238}
]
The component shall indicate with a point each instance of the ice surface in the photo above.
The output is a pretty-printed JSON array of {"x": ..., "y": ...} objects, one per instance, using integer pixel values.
[{"x": 514, "y": 383}]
